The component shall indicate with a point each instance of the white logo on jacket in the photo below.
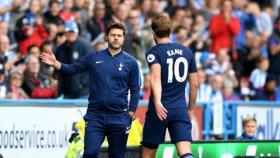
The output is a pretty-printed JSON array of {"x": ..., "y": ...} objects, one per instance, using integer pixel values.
[
  {"x": 98, "y": 62},
  {"x": 75, "y": 55},
  {"x": 120, "y": 68}
]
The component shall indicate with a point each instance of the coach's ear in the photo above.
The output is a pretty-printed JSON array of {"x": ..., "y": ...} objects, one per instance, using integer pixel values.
[{"x": 106, "y": 38}]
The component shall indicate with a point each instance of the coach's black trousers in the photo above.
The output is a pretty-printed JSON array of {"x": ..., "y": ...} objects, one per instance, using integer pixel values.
[{"x": 115, "y": 127}]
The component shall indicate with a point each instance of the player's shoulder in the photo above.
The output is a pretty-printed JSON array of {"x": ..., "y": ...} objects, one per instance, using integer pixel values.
[
  {"x": 128, "y": 57},
  {"x": 184, "y": 48},
  {"x": 101, "y": 52},
  {"x": 151, "y": 50},
  {"x": 97, "y": 54},
  {"x": 157, "y": 50},
  {"x": 152, "y": 54}
]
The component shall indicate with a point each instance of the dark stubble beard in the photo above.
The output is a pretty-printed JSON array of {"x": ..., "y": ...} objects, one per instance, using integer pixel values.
[{"x": 113, "y": 47}]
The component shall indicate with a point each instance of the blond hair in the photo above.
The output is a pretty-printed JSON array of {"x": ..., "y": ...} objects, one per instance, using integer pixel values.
[{"x": 246, "y": 120}]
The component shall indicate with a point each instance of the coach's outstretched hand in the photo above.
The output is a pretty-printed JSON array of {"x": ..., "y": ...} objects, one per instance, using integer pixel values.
[
  {"x": 161, "y": 111},
  {"x": 48, "y": 57}
]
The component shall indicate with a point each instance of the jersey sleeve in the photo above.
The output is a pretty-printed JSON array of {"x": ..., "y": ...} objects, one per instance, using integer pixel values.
[
  {"x": 152, "y": 58},
  {"x": 192, "y": 66},
  {"x": 81, "y": 65}
]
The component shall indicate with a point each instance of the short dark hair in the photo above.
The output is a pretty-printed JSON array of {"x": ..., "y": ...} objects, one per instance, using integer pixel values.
[
  {"x": 161, "y": 26},
  {"x": 31, "y": 47},
  {"x": 178, "y": 29},
  {"x": 53, "y": 2},
  {"x": 115, "y": 26},
  {"x": 46, "y": 42}
]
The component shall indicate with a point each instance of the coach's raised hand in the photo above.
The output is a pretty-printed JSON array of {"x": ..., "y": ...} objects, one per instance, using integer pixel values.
[{"x": 48, "y": 57}]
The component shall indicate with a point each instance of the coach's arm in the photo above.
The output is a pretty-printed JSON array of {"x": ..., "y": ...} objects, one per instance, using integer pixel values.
[{"x": 80, "y": 66}]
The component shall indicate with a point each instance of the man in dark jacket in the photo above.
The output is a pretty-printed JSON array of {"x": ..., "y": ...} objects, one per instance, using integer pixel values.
[
  {"x": 113, "y": 73},
  {"x": 69, "y": 52}
]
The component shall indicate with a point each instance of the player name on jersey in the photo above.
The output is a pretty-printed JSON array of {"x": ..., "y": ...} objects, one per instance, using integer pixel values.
[{"x": 175, "y": 52}]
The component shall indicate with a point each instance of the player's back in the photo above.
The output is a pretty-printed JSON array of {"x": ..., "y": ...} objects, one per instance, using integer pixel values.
[{"x": 176, "y": 63}]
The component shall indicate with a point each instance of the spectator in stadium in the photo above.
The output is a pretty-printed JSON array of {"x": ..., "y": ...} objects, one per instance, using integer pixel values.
[
  {"x": 34, "y": 50},
  {"x": 35, "y": 84},
  {"x": 228, "y": 92},
  {"x": 30, "y": 28},
  {"x": 15, "y": 82},
  {"x": 59, "y": 39},
  {"x": 52, "y": 15},
  {"x": 204, "y": 89},
  {"x": 223, "y": 66},
  {"x": 112, "y": 74},
  {"x": 3, "y": 85},
  {"x": 134, "y": 18},
  {"x": 249, "y": 125},
  {"x": 145, "y": 7},
  {"x": 212, "y": 9},
  {"x": 111, "y": 7},
  {"x": 217, "y": 100},
  {"x": 69, "y": 52},
  {"x": 45, "y": 69},
  {"x": 269, "y": 91},
  {"x": 274, "y": 52},
  {"x": 252, "y": 54},
  {"x": 66, "y": 14},
  {"x": 245, "y": 92},
  {"x": 32, "y": 37},
  {"x": 187, "y": 23},
  {"x": 6, "y": 30},
  {"x": 180, "y": 35},
  {"x": 121, "y": 13},
  {"x": 53, "y": 29},
  {"x": 259, "y": 74},
  {"x": 223, "y": 28},
  {"x": 134, "y": 42},
  {"x": 81, "y": 15},
  {"x": 178, "y": 16},
  {"x": 8, "y": 57},
  {"x": 263, "y": 22},
  {"x": 199, "y": 35},
  {"x": 30, "y": 24},
  {"x": 5, "y": 8},
  {"x": 167, "y": 104},
  {"x": 156, "y": 7},
  {"x": 96, "y": 25},
  {"x": 216, "y": 83},
  {"x": 240, "y": 10}
]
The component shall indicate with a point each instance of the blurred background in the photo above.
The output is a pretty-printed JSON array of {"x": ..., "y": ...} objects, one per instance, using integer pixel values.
[{"x": 236, "y": 44}]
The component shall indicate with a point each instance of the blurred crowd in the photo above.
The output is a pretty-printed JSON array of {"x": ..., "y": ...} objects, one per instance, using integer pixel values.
[{"x": 236, "y": 44}]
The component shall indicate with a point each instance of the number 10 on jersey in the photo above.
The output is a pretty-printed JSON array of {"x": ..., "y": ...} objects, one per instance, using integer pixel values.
[{"x": 174, "y": 69}]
